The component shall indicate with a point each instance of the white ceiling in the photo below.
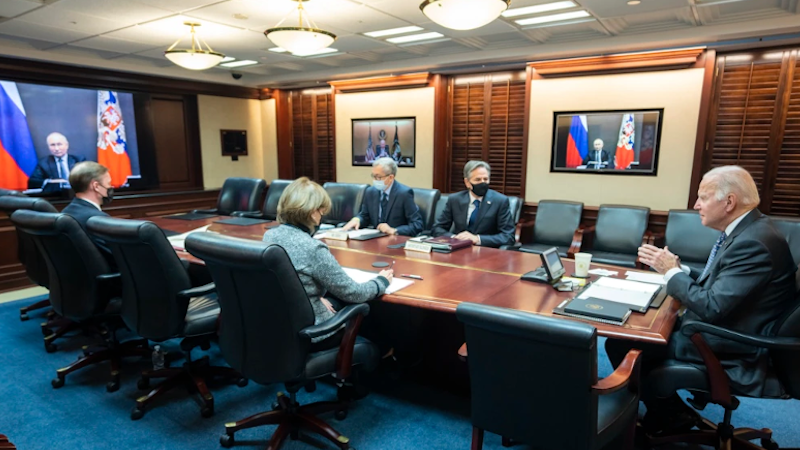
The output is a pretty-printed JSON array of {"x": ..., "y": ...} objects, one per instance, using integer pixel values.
[{"x": 131, "y": 35}]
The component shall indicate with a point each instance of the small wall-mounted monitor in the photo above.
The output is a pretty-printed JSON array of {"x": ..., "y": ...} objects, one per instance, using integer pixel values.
[
  {"x": 378, "y": 138},
  {"x": 234, "y": 143},
  {"x": 624, "y": 142}
]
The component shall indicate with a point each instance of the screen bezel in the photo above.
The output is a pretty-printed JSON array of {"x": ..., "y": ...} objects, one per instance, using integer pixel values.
[{"x": 553, "y": 276}]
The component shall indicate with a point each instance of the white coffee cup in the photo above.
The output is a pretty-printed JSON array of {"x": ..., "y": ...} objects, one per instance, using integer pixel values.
[{"x": 582, "y": 261}]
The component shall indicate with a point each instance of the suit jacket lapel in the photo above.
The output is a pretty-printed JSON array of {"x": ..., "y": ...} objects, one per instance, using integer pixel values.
[
  {"x": 51, "y": 163},
  {"x": 392, "y": 198},
  {"x": 486, "y": 204},
  {"x": 751, "y": 217}
]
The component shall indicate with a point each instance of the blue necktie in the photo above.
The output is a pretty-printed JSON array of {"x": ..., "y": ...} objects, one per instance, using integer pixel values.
[
  {"x": 474, "y": 216},
  {"x": 713, "y": 254},
  {"x": 384, "y": 206}
]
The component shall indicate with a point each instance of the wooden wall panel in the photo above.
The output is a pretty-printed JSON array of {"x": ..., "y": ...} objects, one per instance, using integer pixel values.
[{"x": 168, "y": 120}]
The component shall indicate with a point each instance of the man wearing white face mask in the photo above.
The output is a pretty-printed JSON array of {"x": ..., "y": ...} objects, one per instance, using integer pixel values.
[{"x": 388, "y": 205}]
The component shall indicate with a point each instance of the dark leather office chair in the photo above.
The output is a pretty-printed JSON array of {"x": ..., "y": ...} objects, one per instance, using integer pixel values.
[
  {"x": 712, "y": 385},
  {"x": 237, "y": 194},
  {"x": 440, "y": 205},
  {"x": 160, "y": 303},
  {"x": 557, "y": 225},
  {"x": 689, "y": 239},
  {"x": 346, "y": 201},
  {"x": 270, "y": 209},
  {"x": 82, "y": 289},
  {"x": 427, "y": 200},
  {"x": 534, "y": 380},
  {"x": 790, "y": 228},
  {"x": 616, "y": 237},
  {"x": 29, "y": 256},
  {"x": 266, "y": 329}
]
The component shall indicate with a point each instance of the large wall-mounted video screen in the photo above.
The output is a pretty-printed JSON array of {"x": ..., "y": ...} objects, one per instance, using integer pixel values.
[
  {"x": 45, "y": 130},
  {"x": 624, "y": 142},
  {"x": 378, "y": 138}
]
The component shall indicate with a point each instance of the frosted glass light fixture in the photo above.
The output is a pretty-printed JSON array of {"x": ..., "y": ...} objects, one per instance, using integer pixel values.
[
  {"x": 306, "y": 37},
  {"x": 463, "y": 14},
  {"x": 196, "y": 57}
]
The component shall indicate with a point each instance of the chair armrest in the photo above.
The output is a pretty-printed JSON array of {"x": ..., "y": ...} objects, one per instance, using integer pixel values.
[
  {"x": 717, "y": 378},
  {"x": 658, "y": 239},
  {"x": 769, "y": 342},
  {"x": 108, "y": 277},
  {"x": 577, "y": 242},
  {"x": 352, "y": 315},
  {"x": 205, "y": 211},
  {"x": 109, "y": 285},
  {"x": 648, "y": 237},
  {"x": 250, "y": 214},
  {"x": 343, "y": 316},
  {"x": 198, "y": 291},
  {"x": 626, "y": 374}
]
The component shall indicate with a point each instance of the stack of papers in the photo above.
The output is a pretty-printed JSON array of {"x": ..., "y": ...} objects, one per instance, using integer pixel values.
[
  {"x": 362, "y": 276},
  {"x": 350, "y": 234},
  {"x": 655, "y": 278},
  {"x": 179, "y": 241},
  {"x": 633, "y": 293}
]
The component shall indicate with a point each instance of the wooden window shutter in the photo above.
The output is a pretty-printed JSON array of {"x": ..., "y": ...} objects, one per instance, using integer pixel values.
[
  {"x": 487, "y": 122},
  {"x": 785, "y": 198},
  {"x": 313, "y": 142}
]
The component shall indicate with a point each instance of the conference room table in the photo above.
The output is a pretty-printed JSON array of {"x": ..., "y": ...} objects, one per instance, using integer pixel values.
[{"x": 478, "y": 274}]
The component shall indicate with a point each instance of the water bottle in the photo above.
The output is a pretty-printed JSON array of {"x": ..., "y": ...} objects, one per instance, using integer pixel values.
[{"x": 158, "y": 358}]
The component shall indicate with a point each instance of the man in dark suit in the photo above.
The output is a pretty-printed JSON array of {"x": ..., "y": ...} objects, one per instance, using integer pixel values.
[
  {"x": 597, "y": 158},
  {"x": 54, "y": 169},
  {"x": 388, "y": 205},
  {"x": 478, "y": 214},
  {"x": 92, "y": 185},
  {"x": 748, "y": 284}
]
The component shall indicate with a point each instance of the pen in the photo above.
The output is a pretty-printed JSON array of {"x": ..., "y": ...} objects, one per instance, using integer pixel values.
[{"x": 406, "y": 275}]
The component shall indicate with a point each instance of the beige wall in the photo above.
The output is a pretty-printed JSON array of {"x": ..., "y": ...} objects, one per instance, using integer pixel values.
[
  {"x": 255, "y": 116},
  {"x": 395, "y": 103},
  {"x": 677, "y": 91}
]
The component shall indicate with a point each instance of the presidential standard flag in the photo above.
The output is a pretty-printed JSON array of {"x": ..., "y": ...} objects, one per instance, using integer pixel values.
[
  {"x": 112, "y": 146},
  {"x": 396, "y": 153},
  {"x": 624, "y": 155},
  {"x": 17, "y": 155},
  {"x": 577, "y": 141}
]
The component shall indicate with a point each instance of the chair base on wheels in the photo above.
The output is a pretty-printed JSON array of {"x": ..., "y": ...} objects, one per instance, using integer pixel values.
[
  {"x": 109, "y": 351},
  {"x": 62, "y": 325},
  {"x": 193, "y": 376},
  {"x": 291, "y": 418},
  {"x": 23, "y": 312}
]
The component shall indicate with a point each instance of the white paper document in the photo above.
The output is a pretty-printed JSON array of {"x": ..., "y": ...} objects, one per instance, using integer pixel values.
[
  {"x": 628, "y": 292},
  {"x": 603, "y": 272},
  {"x": 350, "y": 234},
  {"x": 179, "y": 241},
  {"x": 362, "y": 276},
  {"x": 655, "y": 278}
]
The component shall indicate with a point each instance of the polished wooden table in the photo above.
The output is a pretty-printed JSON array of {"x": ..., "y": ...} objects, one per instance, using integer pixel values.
[{"x": 480, "y": 275}]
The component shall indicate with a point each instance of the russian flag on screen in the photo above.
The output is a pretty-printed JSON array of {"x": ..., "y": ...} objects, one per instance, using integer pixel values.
[
  {"x": 577, "y": 141},
  {"x": 17, "y": 155},
  {"x": 112, "y": 146},
  {"x": 624, "y": 155}
]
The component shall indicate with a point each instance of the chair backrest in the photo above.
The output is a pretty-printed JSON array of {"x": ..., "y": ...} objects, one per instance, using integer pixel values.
[
  {"x": 270, "y": 209},
  {"x": 515, "y": 205},
  {"x": 73, "y": 262},
  {"x": 263, "y": 306},
  {"x": 524, "y": 365},
  {"x": 346, "y": 201},
  {"x": 620, "y": 228},
  {"x": 427, "y": 201},
  {"x": 790, "y": 227},
  {"x": 687, "y": 237},
  {"x": 152, "y": 275},
  {"x": 556, "y": 222},
  {"x": 4, "y": 192},
  {"x": 29, "y": 256},
  {"x": 240, "y": 194},
  {"x": 440, "y": 205}
]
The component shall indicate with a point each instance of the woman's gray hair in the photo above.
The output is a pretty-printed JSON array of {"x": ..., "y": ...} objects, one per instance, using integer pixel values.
[
  {"x": 475, "y": 164},
  {"x": 387, "y": 164},
  {"x": 733, "y": 180}
]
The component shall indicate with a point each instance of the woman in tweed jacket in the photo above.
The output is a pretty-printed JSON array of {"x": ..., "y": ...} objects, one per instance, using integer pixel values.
[{"x": 300, "y": 209}]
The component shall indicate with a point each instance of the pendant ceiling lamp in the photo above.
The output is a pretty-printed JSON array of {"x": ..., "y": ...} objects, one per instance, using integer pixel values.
[
  {"x": 195, "y": 58},
  {"x": 304, "y": 38},
  {"x": 463, "y": 14}
]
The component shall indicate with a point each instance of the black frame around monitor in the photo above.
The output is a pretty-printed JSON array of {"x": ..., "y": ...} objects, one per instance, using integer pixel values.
[
  {"x": 553, "y": 276},
  {"x": 353, "y": 122},
  {"x": 656, "y": 142}
]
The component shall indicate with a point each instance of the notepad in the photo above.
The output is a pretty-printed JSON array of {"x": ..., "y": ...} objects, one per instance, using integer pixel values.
[
  {"x": 179, "y": 241},
  {"x": 362, "y": 276},
  {"x": 655, "y": 278},
  {"x": 635, "y": 294}
]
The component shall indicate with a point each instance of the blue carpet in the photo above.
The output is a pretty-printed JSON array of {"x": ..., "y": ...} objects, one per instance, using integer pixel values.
[{"x": 396, "y": 415}]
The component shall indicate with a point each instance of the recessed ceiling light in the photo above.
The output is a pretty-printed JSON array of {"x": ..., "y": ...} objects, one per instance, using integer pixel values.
[
  {"x": 414, "y": 37},
  {"x": 240, "y": 16},
  {"x": 538, "y": 9},
  {"x": 392, "y": 31},
  {"x": 553, "y": 17},
  {"x": 277, "y": 50},
  {"x": 227, "y": 59},
  {"x": 244, "y": 62},
  {"x": 634, "y": 2},
  {"x": 321, "y": 51}
]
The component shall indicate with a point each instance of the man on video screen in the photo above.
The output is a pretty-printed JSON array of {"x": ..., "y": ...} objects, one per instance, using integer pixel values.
[
  {"x": 596, "y": 158},
  {"x": 52, "y": 172}
]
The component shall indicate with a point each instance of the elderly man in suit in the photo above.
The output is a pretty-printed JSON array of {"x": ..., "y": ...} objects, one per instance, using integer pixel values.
[
  {"x": 597, "y": 158},
  {"x": 388, "y": 205},
  {"x": 478, "y": 214},
  {"x": 55, "y": 168},
  {"x": 748, "y": 284}
]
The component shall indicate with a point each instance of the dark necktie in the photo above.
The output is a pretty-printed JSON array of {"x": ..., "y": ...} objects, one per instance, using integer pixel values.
[
  {"x": 474, "y": 216},
  {"x": 384, "y": 206},
  {"x": 713, "y": 254}
]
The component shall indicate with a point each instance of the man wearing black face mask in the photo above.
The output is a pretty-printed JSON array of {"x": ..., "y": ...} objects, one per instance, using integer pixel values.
[
  {"x": 478, "y": 214},
  {"x": 92, "y": 185}
]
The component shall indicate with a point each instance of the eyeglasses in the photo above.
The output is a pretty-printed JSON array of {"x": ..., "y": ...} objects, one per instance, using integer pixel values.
[{"x": 379, "y": 177}]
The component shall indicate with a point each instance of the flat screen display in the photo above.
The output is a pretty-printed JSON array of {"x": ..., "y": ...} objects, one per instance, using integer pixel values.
[
  {"x": 553, "y": 263},
  {"x": 379, "y": 138},
  {"x": 45, "y": 130},
  {"x": 622, "y": 142}
]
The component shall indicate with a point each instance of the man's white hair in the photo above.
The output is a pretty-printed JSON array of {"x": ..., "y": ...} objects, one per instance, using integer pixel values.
[
  {"x": 388, "y": 165},
  {"x": 733, "y": 180}
]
